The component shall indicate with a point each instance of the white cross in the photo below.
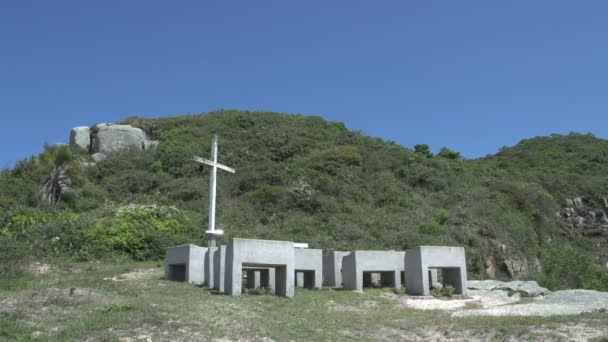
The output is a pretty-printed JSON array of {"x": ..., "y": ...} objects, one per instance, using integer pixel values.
[{"x": 212, "y": 233}]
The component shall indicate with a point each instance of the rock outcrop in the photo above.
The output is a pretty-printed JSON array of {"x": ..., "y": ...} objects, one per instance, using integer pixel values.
[
  {"x": 81, "y": 137},
  {"x": 581, "y": 218},
  {"x": 104, "y": 139},
  {"x": 578, "y": 216},
  {"x": 107, "y": 138}
]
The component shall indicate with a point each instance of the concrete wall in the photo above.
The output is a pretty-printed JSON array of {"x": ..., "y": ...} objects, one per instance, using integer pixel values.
[
  {"x": 210, "y": 266},
  {"x": 389, "y": 264},
  {"x": 451, "y": 260},
  {"x": 311, "y": 261},
  {"x": 186, "y": 263},
  {"x": 219, "y": 269},
  {"x": 332, "y": 268},
  {"x": 260, "y": 253}
]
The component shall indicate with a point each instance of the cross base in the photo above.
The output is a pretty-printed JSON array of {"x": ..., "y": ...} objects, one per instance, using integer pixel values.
[{"x": 213, "y": 234}]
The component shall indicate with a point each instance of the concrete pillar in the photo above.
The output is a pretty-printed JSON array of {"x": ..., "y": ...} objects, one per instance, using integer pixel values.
[
  {"x": 299, "y": 279},
  {"x": 210, "y": 267},
  {"x": 251, "y": 279},
  {"x": 332, "y": 269},
  {"x": 433, "y": 278}
]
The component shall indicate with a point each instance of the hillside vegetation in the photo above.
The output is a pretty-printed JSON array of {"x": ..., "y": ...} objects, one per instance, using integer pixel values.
[{"x": 305, "y": 179}]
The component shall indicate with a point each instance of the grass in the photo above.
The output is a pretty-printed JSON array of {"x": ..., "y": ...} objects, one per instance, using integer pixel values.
[{"x": 42, "y": 308}]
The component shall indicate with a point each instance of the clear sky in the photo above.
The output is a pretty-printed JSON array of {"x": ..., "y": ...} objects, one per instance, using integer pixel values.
[{"x": 470, "y": 75}]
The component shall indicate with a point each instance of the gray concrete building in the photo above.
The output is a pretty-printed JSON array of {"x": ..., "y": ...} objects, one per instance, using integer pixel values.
[
  {"x": 332, "y": 268},
  {"x": 389, "y": 264},
  {"x": 449, "y": 260},
  {"x": 261, "y": 254},
  {"x": 186, "y": 263},
  {"x": 309, "y": 266}
]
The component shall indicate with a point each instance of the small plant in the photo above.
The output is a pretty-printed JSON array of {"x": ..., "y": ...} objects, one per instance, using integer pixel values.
[
  {"x": 258, "y": 291},
  {"x": 440, "y": 291}
]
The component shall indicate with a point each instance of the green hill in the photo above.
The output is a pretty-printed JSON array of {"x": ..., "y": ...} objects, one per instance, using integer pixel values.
[{"x": 306, "y": 179}]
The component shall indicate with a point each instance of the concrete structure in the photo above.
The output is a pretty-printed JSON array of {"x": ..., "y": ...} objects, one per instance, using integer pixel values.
[
  {"x": 186, "y": 263},
  {"x": 309, "y": 264},
  {"x": 389, "y": 264},
  {"x": 219, "y": 269},
  {"x": 332, "y": 268},
  {"x": 451, "y": 261},
  {"x": 212, "y": 252},
  {"x": 251, "y": 253}
]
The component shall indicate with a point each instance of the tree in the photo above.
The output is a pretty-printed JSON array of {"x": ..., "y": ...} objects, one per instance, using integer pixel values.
[
  {"x": 58, "y": 182},
  {"x": 56, "y": 185},
  {"x": 449, "y": 154},
  {"x": 424, "y": 150}
]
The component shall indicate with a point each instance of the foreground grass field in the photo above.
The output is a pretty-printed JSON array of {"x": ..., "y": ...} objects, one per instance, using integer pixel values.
[{"x": 130, "y": 302}]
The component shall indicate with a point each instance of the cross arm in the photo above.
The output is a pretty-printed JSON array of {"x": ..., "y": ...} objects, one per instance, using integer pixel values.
[{"x": 211, "y": 163}]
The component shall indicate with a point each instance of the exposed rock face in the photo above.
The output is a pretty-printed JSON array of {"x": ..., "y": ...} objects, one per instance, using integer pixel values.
[
  {"x": 577, "y": 216},
  {"x": 582, "y": 218},
  {"x": 516, "y": 265},
  {"x": 103, "y": 139},
  {"x": 81, "y": 137},
  {"x": 491, "y": 267},
  {"x": 511, "y": 261},
  {"x": 111, "y": 138}
]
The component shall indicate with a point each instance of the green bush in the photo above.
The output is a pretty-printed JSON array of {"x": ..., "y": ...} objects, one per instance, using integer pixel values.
[
  {"x": 14, "y": 257},
  {"x": 135, "y": 229},
  {"x": 449, "y": 154},
  {"x": 439, "y": 291},
  {"x": 568, "y": 267}
]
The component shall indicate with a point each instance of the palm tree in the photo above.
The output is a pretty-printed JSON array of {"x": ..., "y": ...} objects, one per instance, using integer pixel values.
[{"x": 57, "y": 184}]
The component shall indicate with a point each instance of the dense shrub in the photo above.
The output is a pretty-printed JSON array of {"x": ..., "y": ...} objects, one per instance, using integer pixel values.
[
  {"x": 137, "y": 230},
  {"x": 567, "y": 267},
  {"x": 14, "y": 256}
]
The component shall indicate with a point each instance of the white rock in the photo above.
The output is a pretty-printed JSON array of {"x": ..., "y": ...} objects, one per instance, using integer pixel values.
[
  {"x": 111, "y": 138},
  {"x": 81, "y": 137}
]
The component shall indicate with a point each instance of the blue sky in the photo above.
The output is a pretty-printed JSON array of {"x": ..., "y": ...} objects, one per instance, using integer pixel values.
[{"x": 470, "y": 75}]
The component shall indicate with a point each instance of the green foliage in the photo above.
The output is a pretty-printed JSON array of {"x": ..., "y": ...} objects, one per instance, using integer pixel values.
[
  {"x": 440, "y": 291},
  {"x": 423, "y": 150},
  {"x": 449, "y": 154},
  {"x": 14, "y": 255},
  {"x": 137, "y": 230},
  {"x": 567, "y": 267}
]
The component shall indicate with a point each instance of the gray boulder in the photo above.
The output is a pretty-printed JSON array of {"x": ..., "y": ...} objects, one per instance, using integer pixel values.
[
  {"x": 484, "y": 284},
  {"x": 524, "y": 288},
  {"x": 108, "y": 138},
  {"x": 80, "y": 137}
]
